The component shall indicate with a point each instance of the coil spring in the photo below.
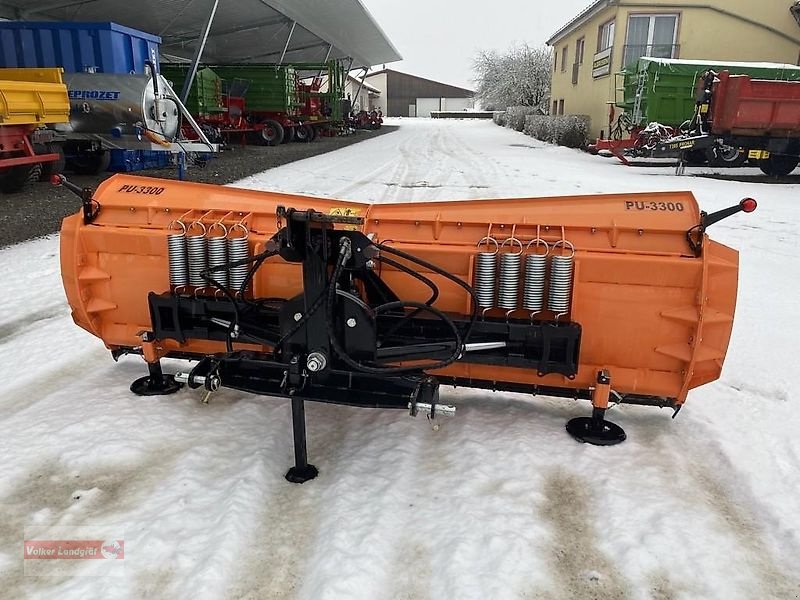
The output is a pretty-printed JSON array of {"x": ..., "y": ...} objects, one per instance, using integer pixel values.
[
  {"x": 486, "y": 274},
  {"x": 238, "y": 249},
  {"x": 218, "y": 254},
  {"x": 508, "y": 293},
  {"x": 535, "y": 274},
  {"x": 176, "y": 250},
  {"x": 561, "y": 279},
  {"x": 198, "y": 256}
]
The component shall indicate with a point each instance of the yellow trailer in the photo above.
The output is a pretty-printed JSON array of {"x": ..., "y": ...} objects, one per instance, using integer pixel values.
[{"x": 29, "y": 99}]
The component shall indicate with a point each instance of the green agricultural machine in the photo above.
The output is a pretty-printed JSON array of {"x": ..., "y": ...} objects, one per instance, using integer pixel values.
[
  {"x": 266, "y": 103},
  {"x": 663, "y": 90},
  {"x": 657, "y": 98}
]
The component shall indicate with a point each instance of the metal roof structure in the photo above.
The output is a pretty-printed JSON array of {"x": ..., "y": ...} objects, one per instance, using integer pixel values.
[{"x": 233, "y": 31}]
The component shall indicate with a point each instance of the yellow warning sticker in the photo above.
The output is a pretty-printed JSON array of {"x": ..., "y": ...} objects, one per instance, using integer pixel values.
[{"x": 346, "y": 211}]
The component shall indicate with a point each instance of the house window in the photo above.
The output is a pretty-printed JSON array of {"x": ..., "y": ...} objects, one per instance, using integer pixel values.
[
  {"x": 563, "y": 59},
  {"x": 579, "y": 45},
  {"x": 555, "y": 61},
  {"x": 651, "y": 35},
  {"x": 561, "y": 107},
  {"x": 605, "y": 37},
  {"x": 555, "y": 108}
]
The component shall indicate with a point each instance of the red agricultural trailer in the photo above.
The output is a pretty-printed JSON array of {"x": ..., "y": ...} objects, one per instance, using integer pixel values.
[{"x": 759, "y": 117}]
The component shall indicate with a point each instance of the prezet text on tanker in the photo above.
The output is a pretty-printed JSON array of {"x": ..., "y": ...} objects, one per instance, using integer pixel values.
[{"x": 93, "y": 95}]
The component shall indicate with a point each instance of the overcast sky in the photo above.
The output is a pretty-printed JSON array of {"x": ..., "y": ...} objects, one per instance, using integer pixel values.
[{"x": 439, "y": 38}]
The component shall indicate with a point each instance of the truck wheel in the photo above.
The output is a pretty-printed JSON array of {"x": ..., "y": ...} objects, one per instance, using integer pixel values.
[
  {"x": 778, "y": 165},
  {"x": 313, "y": 133},
  {"x": 302, "y": 134},
  {"x": 91, "y": 163},
  {"x": 18, "y": 178},
  {"x": 272, "y": 133},
  {"x": 288, "y": 134},
  {"x": 53, "y": 167}
]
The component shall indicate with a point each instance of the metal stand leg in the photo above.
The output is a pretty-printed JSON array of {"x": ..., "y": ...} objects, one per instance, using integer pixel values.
[
  {"x": 301, "y": 471},
  {"x": 156, "y": 383},
  {"x": 596, "y": 430}
]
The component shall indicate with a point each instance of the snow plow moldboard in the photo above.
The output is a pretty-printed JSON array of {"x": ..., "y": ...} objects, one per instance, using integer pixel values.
[{"x": 619, "y": 297}]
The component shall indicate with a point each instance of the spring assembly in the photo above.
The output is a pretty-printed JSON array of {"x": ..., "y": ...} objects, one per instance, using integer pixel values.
[
  {"x": 238, "y": 249},
  {"x": 535, "y": 273},
  {"x": 218, "y": 253},
  {"x": 486, "y": 273},
  {"x": 176, "y": 249},
  {"x": 508, "y": 292},
  {"x": 561, "y": 279},
  {"x": 198, "y": 259}
]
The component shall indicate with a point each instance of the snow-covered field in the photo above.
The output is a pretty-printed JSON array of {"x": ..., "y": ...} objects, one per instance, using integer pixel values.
[{"x": 499, "y": 503}]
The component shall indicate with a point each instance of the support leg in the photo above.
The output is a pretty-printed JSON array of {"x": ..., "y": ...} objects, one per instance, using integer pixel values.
[
  {"x": 156, "y": 383},
  {"x": 301, "y": 471},
  {"x": 596, "y": 430}
]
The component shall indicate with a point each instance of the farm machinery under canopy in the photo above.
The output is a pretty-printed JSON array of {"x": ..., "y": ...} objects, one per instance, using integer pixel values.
[{"x": 610, "y": 298}]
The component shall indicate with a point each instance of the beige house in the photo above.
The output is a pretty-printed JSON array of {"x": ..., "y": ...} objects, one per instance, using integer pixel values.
[{"x": 594, "y": 46}]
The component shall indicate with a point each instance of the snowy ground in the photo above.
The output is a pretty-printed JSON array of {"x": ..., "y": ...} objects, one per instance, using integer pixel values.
[{"x": 500, "y": 503}]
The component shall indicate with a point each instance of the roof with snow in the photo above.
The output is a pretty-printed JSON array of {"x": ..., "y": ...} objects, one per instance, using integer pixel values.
[
  {"x": 242, "y": 31},
  {"x": 579, "y": 20}
]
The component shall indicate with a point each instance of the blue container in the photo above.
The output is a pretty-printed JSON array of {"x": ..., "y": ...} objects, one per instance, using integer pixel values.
[
  {"x": 127, "y": 161},
  {"x": 77, "y": 47}
]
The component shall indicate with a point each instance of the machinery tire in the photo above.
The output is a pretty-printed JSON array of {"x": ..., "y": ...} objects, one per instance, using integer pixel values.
[
  {"x": 313, "y": 133},
  {"x": 91, "y": 164},
  {"x": 51, "y": 168},
  {"x": 272, "y": 133},
  {"x": 302, "y": 134},
  {"x": 18, "y": 178},
  {"x": 288, "y": 134},
  {"x": 778, "y": 165},
  {"x": 726, "y": 157}
]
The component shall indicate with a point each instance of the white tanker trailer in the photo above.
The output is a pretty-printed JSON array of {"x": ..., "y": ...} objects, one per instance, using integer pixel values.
[{"x": 113, "y": 111}]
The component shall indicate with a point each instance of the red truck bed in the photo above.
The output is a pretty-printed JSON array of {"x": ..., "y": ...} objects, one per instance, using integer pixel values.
[{"x": 755, "y": 107}]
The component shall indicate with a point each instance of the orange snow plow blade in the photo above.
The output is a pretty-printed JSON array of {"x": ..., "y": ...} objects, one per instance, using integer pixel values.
[{"x": 628, "y": 299}]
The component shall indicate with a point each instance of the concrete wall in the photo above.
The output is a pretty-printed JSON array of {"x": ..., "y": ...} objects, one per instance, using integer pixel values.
[{"x": 721, "y": 30}]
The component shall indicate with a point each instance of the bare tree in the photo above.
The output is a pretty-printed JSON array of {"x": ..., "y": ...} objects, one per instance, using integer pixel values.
[{"x": 519, "y": 76}]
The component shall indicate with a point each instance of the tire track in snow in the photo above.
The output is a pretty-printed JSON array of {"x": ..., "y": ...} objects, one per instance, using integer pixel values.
[
  {"x": 32, "y": 390},
  {"x": 584, "y": 572},
  {"x": 10, "y": 329},
  {"x": 57, "y": 495},
  {"x": 275, "y": 566},
  {"x": 738, "y": 511}
]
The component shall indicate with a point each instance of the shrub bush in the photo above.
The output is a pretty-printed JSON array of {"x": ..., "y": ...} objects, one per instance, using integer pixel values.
[
  {"x": 569, "y": 130},
  {"x": 499, "y": 118},
  {"x": 515, "y": 116}
]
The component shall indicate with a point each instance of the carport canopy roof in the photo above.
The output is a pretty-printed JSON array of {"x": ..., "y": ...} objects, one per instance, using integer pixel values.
[{"x": 242, "y": 31}]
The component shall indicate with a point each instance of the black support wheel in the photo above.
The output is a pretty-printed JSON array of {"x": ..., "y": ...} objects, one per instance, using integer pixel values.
[
  {"x": 288, "y": 134},
  {"x": 313, "y": 133},
  {"x": 18, "y": 178},
  {"x": 585, "y": 430},
  {"x": 778, "y": 165},
  {"x": 272, "y": 133}
]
